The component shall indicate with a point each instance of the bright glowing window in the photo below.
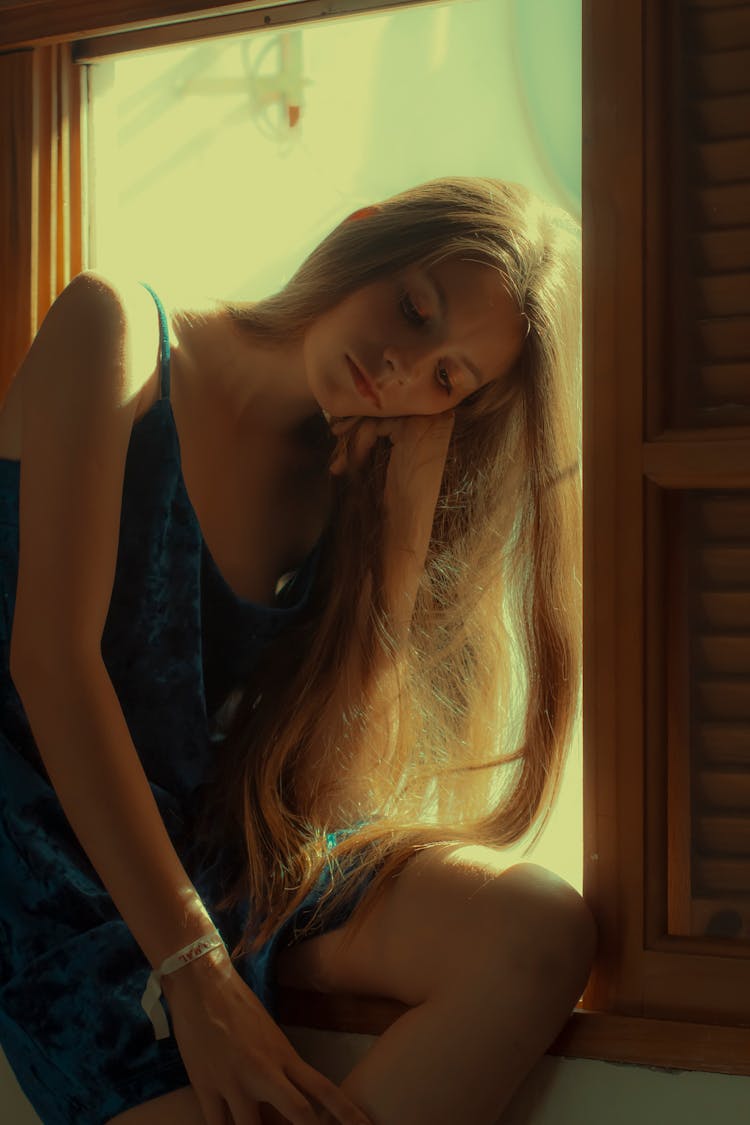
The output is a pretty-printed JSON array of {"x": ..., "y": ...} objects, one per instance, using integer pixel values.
[{"x": 221, "y": 165}]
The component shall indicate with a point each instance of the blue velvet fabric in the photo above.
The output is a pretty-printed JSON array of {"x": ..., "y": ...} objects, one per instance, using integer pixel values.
[{"x": 177, "y": 641}]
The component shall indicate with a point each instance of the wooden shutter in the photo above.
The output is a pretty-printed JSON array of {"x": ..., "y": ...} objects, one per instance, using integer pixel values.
[
  {"x": 710, "y": 193},
  {"x": 708, "y": 602},
  {"x": 666, "y": 533},
  {"x": 668, "y": 855}
]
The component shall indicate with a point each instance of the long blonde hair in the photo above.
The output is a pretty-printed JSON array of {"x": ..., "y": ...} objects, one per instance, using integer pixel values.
[{"x": 489, "y": 686}]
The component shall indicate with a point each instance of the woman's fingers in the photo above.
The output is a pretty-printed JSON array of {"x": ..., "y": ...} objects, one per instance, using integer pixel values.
[
  {"x": 214, "y": 1112},
  {"x": 342, "y": 425},
  {"x": 242, "y": 1110},
  {"x": 364, "y": 439},
  {"x": 360, "y": 435},
  {"x": 429, "y": 432},
  {"x": 342, "y": 1109}
]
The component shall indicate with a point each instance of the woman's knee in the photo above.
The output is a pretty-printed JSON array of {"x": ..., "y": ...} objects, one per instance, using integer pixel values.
[{"x": 552, "y": 924}]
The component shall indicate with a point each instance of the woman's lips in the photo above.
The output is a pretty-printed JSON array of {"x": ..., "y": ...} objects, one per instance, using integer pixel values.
[{"x": 363, "y": 384}]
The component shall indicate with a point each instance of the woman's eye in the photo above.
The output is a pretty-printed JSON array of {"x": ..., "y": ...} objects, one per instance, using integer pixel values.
[
  {"x": 442, "y": 377},
  {"x": 445, "y": 382},
  {"x": 413, "y": 316}
]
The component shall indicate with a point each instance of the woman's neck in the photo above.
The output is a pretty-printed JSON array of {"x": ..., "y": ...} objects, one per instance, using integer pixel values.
[{"x": 256, "y": 386}]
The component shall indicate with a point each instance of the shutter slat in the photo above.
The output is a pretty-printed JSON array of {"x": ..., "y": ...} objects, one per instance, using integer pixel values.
[
  {"x": 716, "y": 656},
  {"x": 724, "y": 835},
  {"x": 724, "y": 790},
  {"x": 720, "y": 611},
  {"x": 723, "y": 699},
  {"x": 726, "y": 206},
  {"x": 700, "y": 4},
  {"x": 728, "y": 338},
  {"x": 722, "y": 250},
  {"x": 727, "y": 916},
  {"x": 725, "y": 518},
  {"x": 719, "y": 118},
  {"x": 722, "y": 744},
  {"x": 722, "y": 29},
  {"x": 723, "y": 161},
  {"x": 725, "y": 294},
  {"x": 724, "y": 876},
  {"x": 724, "y": 566},
  {"x": 725, "y": 73},
  {"x": 725, "y": 385}
]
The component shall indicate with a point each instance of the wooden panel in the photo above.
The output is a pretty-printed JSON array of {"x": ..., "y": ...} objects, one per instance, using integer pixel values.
[
  {"x": 708, "y": 153},
  {"x": 16, "y": 209},
  {"x": 696, "y": 956},
  {"x": 42, "y": 156},
  {"x": 708, "y": 664},
  {"x": 613, "y": 345}
]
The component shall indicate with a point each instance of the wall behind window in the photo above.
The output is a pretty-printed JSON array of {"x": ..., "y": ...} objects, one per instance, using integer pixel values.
[{"x": 219, "y": 166}]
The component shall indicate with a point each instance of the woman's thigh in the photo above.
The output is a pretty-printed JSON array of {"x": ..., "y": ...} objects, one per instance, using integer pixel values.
[
  {"x": 452, "y": 910},
  {"x": 178, "y": 1107}
]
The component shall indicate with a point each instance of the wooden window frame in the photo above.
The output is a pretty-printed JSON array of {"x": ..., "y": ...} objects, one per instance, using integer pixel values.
[{"x": 629, "y": 1012}]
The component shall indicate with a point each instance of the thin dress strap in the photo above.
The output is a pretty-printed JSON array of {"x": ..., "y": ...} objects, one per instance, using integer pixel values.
[{"x": 163, "y": 342}]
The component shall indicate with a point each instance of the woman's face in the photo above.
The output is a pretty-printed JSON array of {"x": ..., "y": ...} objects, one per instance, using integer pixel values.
[{"x": 423, "y": 340}]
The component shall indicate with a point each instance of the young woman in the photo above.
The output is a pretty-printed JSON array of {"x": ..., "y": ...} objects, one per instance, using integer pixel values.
[{"x": 271, "y": 572}]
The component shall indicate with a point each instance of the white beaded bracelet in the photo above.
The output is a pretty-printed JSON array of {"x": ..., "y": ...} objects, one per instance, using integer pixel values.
[{"x": 150, "y": 999}]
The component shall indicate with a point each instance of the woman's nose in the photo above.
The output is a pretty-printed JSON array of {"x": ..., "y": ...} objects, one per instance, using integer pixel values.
[
  {"x": 393, "y": 375},
  {"x": 401, "y": 368}
]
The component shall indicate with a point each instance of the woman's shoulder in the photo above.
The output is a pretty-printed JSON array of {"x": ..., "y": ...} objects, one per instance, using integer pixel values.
[
  {"x": 132, "y": 312},
  {"x": 117, "y": 299},
  {"x": 109, "y": 296},
  {"x": 96, "y": 311},
  {"x": 112, "y": 305}
]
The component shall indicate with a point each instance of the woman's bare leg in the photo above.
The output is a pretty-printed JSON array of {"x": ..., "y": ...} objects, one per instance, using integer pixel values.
[
  {"x": 461, "y": 1056},
  {"x": 491, "y": 960}
]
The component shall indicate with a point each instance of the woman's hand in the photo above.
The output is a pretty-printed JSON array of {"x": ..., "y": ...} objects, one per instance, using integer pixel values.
[
  {"x": 419, "y": 446},
  {"x": 237, "y": 1057}
]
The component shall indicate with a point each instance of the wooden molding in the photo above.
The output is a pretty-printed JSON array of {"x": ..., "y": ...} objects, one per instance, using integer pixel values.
[
  {"x": 586, "y": 1035},
  {"x": 43, "y": 218},
  {"x": 47, "y": 21}
]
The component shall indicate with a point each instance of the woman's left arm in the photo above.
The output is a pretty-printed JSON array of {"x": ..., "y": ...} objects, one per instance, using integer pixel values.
[
  {"x": 419, "y": 446},
  {"x": 415, "y": 472},
  {"x": 413, "y": 478}
]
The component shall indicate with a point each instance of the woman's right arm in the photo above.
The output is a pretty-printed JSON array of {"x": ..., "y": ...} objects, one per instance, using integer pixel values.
[{"x": 81, "y": 383}]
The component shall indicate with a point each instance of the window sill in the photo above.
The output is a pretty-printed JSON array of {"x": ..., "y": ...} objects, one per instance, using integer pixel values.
[{"x": 586, "y": 1035}]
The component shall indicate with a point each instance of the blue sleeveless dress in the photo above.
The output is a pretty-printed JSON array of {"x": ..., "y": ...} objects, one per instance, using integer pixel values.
[{"x": 177, "y": 642}]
